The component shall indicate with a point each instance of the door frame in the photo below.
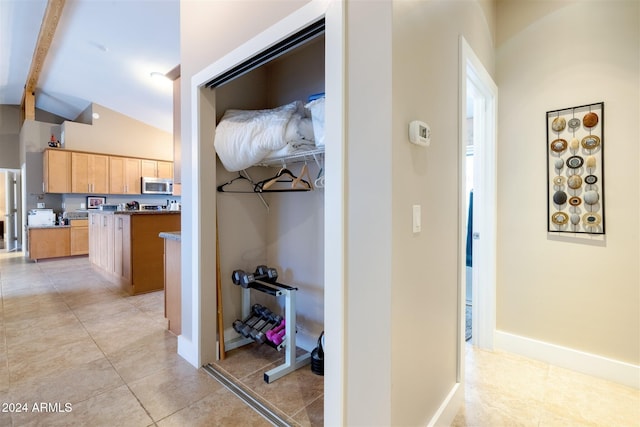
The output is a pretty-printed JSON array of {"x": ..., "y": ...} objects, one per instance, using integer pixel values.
[{"x": 485, "y": 210}]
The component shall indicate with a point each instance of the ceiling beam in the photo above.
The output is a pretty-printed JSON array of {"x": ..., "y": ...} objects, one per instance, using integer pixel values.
[{"x": 47, "y": 30}]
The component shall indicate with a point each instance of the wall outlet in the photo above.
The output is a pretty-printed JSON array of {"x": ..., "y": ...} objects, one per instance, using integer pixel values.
[{"x": 40, "y": 205}]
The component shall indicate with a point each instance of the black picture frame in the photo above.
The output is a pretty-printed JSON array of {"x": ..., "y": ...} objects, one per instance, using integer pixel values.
[{"x": 575, "y": 169}]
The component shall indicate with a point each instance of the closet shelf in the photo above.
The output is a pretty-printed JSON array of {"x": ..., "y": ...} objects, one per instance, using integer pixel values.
[{"x": 314, "y": 155}]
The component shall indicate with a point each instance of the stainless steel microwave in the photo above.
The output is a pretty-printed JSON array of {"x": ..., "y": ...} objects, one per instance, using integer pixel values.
[{"x": 152, "y": 185}]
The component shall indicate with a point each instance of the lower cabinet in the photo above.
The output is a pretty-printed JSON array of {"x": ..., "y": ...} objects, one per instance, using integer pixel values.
[
  {"x": 50, "y": 242},
  {"x": 55, "y": 242},
  {"x": 79, "y": 236}
]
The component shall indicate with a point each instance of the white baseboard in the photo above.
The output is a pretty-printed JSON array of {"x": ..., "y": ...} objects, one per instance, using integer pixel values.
[
  {"x": 564, "y": 357},
  {"x": 187, "y": 351},
  {"x": 449, "y": 408}
]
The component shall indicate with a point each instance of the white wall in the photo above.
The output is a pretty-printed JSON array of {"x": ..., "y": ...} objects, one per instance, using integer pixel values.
[
  {"x": 10, "y": 136},
  {"x": 577, "y": 292},
  {"x": 426, "y": 37},
  {"x": 115, "y": 133}
]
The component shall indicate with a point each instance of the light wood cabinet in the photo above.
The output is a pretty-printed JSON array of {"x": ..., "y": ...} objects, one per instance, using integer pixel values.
[
  {"x": 124, "y": 175},
  {"x": 89, "y": 173},
  {"x": 66, "y": 171},
  {"x": 157, "y": 169},
  {"x": 79, "y": 236},
  {"x": 56, "y": 171},
  {"x": 128, "y": 248},
  {"x": 48, "y": 242}
]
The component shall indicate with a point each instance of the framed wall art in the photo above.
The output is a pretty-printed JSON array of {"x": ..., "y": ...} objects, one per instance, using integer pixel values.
[
  {"x": 94, "y": 202},
  {"x": 575, "y": 169}
]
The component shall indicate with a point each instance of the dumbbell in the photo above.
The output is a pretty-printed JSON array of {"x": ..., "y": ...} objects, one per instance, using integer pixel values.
[
  {"x": 278, "y": 337},
  {"x": 263, "y": 314},
  {"x": 252, "y": 319},
  {"x": 275, "y": 330},
  {"x": 257, "y": 330},
  {"x": 244, "y": 279}
]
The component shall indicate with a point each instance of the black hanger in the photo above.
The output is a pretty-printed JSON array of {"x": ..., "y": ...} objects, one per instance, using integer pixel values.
[{"x": 222, "y": 188}]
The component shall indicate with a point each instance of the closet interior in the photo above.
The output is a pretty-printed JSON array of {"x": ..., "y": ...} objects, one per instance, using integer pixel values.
[{"x": 270, "y": 213}]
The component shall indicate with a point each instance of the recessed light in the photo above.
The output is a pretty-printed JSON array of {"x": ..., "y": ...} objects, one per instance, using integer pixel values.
[{"x": 95, "y": 116}]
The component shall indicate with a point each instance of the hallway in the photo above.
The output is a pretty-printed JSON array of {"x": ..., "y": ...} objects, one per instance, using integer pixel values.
[{"x": 69, "y": 337}]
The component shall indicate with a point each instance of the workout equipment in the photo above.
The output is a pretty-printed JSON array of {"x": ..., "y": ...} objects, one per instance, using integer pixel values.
[
  {"x": 275, "y": 330},
  {"x": 278, "y": 337},
  {"x": 263, "y": 273},
  {"x": 265, "y": 281},
  {"x": 243, "y": 327},
  {"x": 317, "y": 358}
]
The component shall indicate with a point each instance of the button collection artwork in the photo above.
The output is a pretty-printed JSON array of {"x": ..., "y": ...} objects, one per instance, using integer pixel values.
[{"x": 575, "y": 169}]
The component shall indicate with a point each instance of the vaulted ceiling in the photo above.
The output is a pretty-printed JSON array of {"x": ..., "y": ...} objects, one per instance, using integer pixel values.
[{"x": 103, "y": 51}]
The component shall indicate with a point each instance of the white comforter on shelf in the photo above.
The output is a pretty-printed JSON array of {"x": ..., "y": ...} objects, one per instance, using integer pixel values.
[{"x": 246, "y": 137}]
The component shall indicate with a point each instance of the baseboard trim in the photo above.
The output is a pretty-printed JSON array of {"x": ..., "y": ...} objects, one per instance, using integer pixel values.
[
  {"x": 564, "y": 357},
  {"x": 449, "y": 408},
  {"x": 187, "y": 351}
]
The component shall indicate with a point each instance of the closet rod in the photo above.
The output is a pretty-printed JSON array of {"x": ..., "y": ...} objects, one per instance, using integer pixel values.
[{"x": 278, "y": 49}]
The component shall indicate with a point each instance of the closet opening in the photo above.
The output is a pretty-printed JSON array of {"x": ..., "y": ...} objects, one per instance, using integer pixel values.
[{"x": 269, "y": 209}]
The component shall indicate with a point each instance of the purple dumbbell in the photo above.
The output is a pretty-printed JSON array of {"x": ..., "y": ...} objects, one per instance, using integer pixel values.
[
  {"x": 278, "y": 337},
  {"x": 275, "y": 330}
]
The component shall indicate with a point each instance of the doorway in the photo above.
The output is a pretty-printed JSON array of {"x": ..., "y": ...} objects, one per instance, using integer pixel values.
[
  {"x": 10, "y": 218},
  {"x": 477, "y": 200}
]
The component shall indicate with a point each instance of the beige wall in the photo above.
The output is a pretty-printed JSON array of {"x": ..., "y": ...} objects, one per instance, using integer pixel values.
[
  {"x": 115, "y": 133},
  {"x": 10, "y": 136},
  {"x": 425, "y": 265},
  {"x": 577, "y": 292}
]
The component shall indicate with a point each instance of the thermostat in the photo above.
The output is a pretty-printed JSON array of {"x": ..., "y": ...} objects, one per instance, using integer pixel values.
[{"x": 419, "y": 133}]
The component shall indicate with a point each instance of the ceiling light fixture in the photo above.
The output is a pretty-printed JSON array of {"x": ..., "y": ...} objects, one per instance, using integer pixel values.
[{"x": 158, "y": 75}]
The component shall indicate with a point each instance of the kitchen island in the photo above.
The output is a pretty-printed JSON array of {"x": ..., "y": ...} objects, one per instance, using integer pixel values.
[{"x": 125, "y": 247}]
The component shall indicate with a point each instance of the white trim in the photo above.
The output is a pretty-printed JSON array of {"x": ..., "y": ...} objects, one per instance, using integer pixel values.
[
  {"x": 449, "y": 408},
  {"x": 187, "y": 351},
  {"x": 576, "y": 360}
]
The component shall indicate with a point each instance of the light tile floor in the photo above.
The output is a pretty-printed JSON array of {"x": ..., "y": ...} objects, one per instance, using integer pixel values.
[{"x": 69, "y": 337}]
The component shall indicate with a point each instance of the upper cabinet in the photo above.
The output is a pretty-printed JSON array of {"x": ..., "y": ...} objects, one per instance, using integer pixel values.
[
  {"x": 67, "y": 171},
  {"x": 157, "y": 169},
  {"x": 124, "y": 175},
  {"x": 57, "y": 171},
  {"x": 89, "y": 173}
]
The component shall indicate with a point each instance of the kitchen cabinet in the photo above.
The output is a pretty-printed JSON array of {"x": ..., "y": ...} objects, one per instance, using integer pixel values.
[
  {"x": 126, "y": 247},
  {"x": 157, "y": 168},
  {"x": 124, "y": 175},
  {"x": 49, "y": 242},
  {"x": 56, "y": 171},
  {"x": 79, "y": 237},
  {"x": 89, "y": 173}
]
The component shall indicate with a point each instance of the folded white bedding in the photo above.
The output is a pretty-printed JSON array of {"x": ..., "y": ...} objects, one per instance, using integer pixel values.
[{"x": 245, "y": 137}]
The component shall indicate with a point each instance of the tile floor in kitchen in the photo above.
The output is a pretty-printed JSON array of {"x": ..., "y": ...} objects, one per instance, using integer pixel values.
[{"x": 69, "y": 337}]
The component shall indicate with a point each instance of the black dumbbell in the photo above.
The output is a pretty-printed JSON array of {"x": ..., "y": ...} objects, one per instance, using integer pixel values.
[
  {"x": 244, "y": 279},
  {"x": 263, "y": 315},
  {"x": 258, "y": 331},
  {"x": 252, "y": 319}
]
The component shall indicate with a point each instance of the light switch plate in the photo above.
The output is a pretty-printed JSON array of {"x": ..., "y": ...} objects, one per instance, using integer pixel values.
[{"x": 417, "y": 222}]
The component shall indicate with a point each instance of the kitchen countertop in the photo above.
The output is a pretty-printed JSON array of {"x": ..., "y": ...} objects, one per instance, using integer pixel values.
[
  {"x": 98, "y": 211},
  {"x": 171, "y": 235},
  {"x": 32, "y": 227}
]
